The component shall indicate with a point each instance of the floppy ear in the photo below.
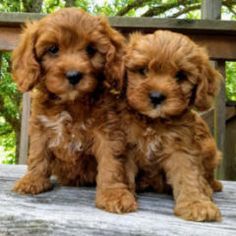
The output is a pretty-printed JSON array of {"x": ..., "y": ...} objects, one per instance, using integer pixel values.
[
  {"x": 25, "y": 68},
  {"x": 114, "y": 67},
  {"x": 208, "y": 86}
]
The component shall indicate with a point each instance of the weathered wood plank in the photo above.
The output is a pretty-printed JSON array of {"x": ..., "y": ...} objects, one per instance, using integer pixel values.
[
  {"x": 211, "y": 9},
  {"x": 24, "y": 135},
  {"x": 230, "y": 112},
  {"x": 208, "y": 116},
  {"x": 8, "y": 38},
  {"x": 144, "y": 23},
  {"x": 219, "y": 47},
  {"x": 16, "y": 18},
  {"x": 230, "y": 150},
  {"x": 219, "y": 120},
  {"x": 71, "y": 211}
]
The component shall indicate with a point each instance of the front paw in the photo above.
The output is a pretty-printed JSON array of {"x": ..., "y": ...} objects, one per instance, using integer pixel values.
[
  {"x": 30, "y": 184},
  {"x": 116, "y": 200},
  {"x": 198, "y": 211}
]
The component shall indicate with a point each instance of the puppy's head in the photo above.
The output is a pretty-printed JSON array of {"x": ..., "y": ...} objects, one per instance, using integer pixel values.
[
  {"x": 69, "y": 52},
  {"x": 168, "y": 74}
]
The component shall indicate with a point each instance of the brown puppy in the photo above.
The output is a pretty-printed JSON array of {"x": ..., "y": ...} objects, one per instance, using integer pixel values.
[
  {"x": 69, "y": 58},
  {"x": 167, "y": 76}
]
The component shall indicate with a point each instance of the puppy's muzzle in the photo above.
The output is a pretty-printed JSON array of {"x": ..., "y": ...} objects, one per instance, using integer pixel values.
[
  {"x": 156, "y": 98},
  {"x": 74, "y": 76}
]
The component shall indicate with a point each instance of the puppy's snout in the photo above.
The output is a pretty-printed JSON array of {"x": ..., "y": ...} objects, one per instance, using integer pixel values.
[
  {"x": 74, "y": 76},
  {"x": 156, "y": 98}
]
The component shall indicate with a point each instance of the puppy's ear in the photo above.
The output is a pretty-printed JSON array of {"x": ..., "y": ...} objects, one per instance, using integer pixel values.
[
  {"x": 207, "y": 87},
  {"x": 114, "y": 67},
  {"x": 25, "y": 68}
]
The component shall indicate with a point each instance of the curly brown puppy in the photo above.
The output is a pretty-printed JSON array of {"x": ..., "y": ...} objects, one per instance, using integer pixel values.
[
  {"x": 167, "y": 76},
  {"x": 69, "y": 59}
]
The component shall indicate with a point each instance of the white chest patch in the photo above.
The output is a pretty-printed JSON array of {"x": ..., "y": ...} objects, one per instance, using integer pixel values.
[
  {"x": 153, "y": 144},
  {"x": 62, "y": 132}
]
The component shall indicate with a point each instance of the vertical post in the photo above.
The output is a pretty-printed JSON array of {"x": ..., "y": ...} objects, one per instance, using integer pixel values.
[
  {"x": 24, "y": 136},
  {"x": 219, "y": 121},
  {"x": 211, "y": 9}
]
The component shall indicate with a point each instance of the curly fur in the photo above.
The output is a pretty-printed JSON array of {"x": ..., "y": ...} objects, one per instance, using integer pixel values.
[
  {"x": 169, "y": 143},
  {"x": 74, "y": 131}
]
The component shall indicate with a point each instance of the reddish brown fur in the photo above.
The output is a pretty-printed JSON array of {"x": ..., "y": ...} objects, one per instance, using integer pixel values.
[
  {"x": 169, "y": 143},
  {"x": 73, "y": 128}
]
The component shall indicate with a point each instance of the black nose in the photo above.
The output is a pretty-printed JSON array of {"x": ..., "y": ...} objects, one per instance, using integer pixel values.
[
  {"x": 156, "y": 98},
  {"x": 74, "y": 76}
]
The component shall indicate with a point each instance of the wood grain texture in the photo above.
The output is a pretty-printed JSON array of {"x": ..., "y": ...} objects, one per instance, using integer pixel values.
[
  {"x": 208, "y": 26},
  {"x": 217, "y": 36},
  {"x": 24, "y": 135},
  {"x": 9, "y": 38},
  {"x": 230, "y": 150},
  {"x": 71, "y": 211},
  {"x": 211, "y": 9},
  {"x": 219, "y": 120}
]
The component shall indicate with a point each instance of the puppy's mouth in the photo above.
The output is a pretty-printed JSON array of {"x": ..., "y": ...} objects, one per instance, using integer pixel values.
[
  {"x": 157, "y": 101},
  {"x": 155, "y": 113},
  {"x": 70, "y": 96}
]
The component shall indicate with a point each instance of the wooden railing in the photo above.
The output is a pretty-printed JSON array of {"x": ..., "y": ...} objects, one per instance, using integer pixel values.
[{"x": 219, "y": 37}]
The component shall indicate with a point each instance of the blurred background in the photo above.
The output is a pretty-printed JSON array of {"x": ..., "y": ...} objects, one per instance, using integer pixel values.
[{"x": 10, "y": 98}]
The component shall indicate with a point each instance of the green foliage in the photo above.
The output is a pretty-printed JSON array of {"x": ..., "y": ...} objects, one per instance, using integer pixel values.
[
  {"x": 10, "y": 6},
  {"x": 52, "y": 5},
  {"x": 231, "y": 80},
  {"x": 8, "y": 89},
  {"x": 7, "y": 143},
  {"x": 9, "y": 111},
  {"x": 111, "y": 8}
]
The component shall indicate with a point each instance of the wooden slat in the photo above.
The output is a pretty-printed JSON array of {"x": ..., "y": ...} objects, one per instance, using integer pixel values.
[
  {"x": 24, "y": 137},
  {"x": 230, "y": 112},
  {"x": 8, "y": 38},
  {"x": 219, "y": 47},
  {"x": 208, "y": 116},
  {"x": 230, "y": 149},
  {"x": 15, "y": 19},
  {"x": 219, "y": 120},
  {"x": 71, "y": 211},
  {"x": 211, "y": 9},
  {"x": 142, "y": 23}
]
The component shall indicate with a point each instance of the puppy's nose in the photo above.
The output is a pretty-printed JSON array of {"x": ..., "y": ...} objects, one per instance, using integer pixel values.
[
  {"x": 74, "y": 76},
  {"x": 156, "y": 98}
]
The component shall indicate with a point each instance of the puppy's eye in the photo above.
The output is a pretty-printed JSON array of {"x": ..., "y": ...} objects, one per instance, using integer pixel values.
[
  {"x": 53, "y": 49},
  {"x": 91, "y": 50},
  {"x": 142, "y": 71},
  {"x": 180, "y": 75}
]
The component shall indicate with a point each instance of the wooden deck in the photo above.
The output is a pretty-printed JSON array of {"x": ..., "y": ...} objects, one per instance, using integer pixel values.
[{"x": 71, "y": 211}]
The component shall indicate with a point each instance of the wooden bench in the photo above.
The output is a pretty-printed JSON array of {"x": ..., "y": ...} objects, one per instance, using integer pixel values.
[{"x": 71, "y": 211}]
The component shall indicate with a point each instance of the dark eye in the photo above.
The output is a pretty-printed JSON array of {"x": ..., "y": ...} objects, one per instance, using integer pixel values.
[
  {"x": 91, "y": 50},
  {"x": 53, "y": 49},
  {"x": 142, "y": 71},
  {"x": 180, "y": 75}
]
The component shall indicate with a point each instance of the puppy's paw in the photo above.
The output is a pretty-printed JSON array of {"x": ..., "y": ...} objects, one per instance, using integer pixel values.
[
  {"x": 198, "y": 211},
  {"x": 116, "y": 201},
  {"x": 31, "y": 185}
]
